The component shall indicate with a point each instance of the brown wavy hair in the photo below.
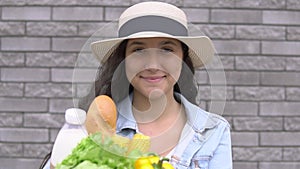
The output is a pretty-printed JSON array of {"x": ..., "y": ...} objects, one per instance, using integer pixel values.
[{"x": 108, "y": 80}]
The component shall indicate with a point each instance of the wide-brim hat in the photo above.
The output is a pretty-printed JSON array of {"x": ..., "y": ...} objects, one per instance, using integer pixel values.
[{"x": 156, "y": 19}]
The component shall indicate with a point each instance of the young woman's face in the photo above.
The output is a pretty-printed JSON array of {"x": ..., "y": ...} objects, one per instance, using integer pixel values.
[{"x": 153, "y": 64}]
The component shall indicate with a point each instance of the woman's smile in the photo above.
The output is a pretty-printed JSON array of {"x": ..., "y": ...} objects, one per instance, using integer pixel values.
[{"x": 153, "y": 79}]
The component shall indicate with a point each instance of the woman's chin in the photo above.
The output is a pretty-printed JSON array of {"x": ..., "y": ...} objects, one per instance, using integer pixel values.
[{"x": 156, "y": 94}]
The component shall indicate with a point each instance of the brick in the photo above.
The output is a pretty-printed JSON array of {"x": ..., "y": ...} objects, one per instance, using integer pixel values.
[
  {"x": 258, "y": 4},
  {"x": 236, "y": 16},
  {"x": 244, "y": 139},
  {"x": 227, "y": 62},
  {"x": 292, "y": 4},
  {"x": 50, "y": 59},
  {"x": 244, "y": 165},
  {"x": 279, "y": 165},
  {"x": 53, "y": 134},
  {"x": 12, "y": 2},
  {"x": 36, "y": 150},
  {"x": 256, "y": 154},
  {"x": 11, "y": 119},
  {"x": 260, "y": 32},
  {"x": 77, "y": 75},
  {"x": 209, "y": 3},
  {"x": 293, "y": 63},
  {"x": 51, "y": 28},
  {"x": 279, "y": 108},
  {"x": 11, "y": 59},
  {"x": 26, "y": 13},
  {"x": 280, "y": 78},
  {"x": 17, "y": 163},
  {"x": 68, "y": 44},
  {"x": 43, "y": 120},
  {"x": 281, "y": 17},
  {"x": 215, "y": 106},
  {"x": 201, "y": 77},
  {"x": 216, "y": 77},
  {"x": 62, "y": 75},
  {"x": 11, "y": 150},
  {"x": 48, "y": 90},
  {"x": 11, "y": 89},
  {"x": 293, "y": 93},
  {"x": 291, "y": 154},
  {"x": 23, "y": 135},
  {"x": 174, "y": 2},
  {"x": 293, "y": 33},
  {"x": 280, "y": 48},
  {"x": 237, "y": 108},
  {"x": 87, "y": 60},
  {"x": 113, "y": 13},
  {"x": 12, "y": 28},
  {"x": 110, "y": 3},
  {"x": 220, "y": 63},
  {"x": 100, "y": 29},
  {"x": 259, "y": 93},
  {"x": 242, "y": 78},
  {"x": 78, "y": 13},
  {"x": 76, "y": 3},
  {"x": 292, "y": 123},
  {"x": 280, "y": 138},
  {"x": 213, "y": 31},
  {"x": 237, "y": 47},
  {"x": 197, "y": 15},
  {"x": 25, "y": 74},
  {"x": 23, "y": 104},
  {"x": 257, "y": 123},
  {"x": 217, "y": 93},
  {"x": 82, "y": 89},
  {"x": 260, "y": 63},
  {"x": 60, "y": 105},
  {"x": 25, "y": 44}
]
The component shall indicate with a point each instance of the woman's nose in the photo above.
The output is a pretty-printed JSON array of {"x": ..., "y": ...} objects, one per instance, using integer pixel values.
[{"x": 152, "y": 60}]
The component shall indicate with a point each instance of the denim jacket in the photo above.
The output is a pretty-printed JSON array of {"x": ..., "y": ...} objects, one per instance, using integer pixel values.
[{"x": 205, "y": 142}]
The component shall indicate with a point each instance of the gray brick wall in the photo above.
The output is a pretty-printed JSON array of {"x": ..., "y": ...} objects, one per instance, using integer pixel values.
[{"x": 258, "y": 43}]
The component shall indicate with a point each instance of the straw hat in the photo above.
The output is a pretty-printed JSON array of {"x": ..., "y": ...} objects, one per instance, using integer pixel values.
[{"x": 156, "y": 19}]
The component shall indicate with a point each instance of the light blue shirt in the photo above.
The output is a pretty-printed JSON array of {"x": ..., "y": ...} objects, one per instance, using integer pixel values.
[{"x": 205, "y": 141}]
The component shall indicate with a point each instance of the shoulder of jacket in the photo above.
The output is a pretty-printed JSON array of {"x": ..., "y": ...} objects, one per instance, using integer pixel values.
[
  {"x": 207, "y": 120},
  {"x": 219, "y": 118}
]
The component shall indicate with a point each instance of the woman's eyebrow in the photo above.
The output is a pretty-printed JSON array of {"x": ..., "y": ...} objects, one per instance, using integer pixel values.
[
  {"x": 135, "y": 43},
  {"x": 168, "y": 42}
]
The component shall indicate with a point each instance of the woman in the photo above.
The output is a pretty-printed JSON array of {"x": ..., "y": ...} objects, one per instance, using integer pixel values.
[{"x": 148, "y": 71}]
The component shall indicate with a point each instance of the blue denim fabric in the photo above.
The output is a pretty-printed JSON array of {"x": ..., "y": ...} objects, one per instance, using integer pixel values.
[{"x": 205, "y": 142}]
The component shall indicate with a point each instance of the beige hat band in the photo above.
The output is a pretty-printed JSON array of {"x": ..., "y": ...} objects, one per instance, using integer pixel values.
[{"x": 154, "y": 24}]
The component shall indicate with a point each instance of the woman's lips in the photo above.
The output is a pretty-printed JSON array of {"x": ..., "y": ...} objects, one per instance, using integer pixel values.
[{"x": 153, "y": 79}]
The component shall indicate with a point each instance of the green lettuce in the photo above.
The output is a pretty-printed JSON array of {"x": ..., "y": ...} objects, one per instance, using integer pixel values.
[{"x": 94, "y": 152}]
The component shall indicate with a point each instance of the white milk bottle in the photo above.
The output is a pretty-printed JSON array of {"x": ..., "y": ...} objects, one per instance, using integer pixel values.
[{"x": 69, "y": 136}]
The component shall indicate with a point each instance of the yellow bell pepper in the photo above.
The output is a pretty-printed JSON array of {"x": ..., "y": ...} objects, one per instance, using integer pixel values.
[
  {"x": 152, "y": 162},
  {"x": 167, "y": 165}
]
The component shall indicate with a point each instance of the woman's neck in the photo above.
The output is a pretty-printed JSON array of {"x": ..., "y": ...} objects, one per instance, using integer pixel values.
[
  {"x": 162, "y": 119},
  {"x": 153, "y": 110}
]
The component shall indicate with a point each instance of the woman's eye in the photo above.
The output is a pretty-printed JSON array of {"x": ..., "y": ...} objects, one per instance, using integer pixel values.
[
  {"x": 167, "y": 50},
  {"x": 137, "y": 50}
]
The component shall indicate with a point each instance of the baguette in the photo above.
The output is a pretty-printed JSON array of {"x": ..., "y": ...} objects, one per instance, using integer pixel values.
[{"x": 101, "y": 116}]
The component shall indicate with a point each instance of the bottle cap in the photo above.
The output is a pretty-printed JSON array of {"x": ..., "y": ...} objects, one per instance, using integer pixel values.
[{"x": 75, "y": 116}]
